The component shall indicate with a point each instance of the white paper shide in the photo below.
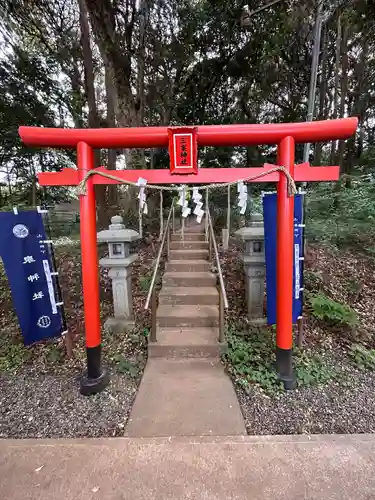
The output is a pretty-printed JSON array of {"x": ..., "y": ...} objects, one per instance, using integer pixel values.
[
  {"x": 183, "y": 202},
  {"x": 242, "y": 197},
  {"x": 197, "y": 199},
  {"x": 142, "y": 195}
]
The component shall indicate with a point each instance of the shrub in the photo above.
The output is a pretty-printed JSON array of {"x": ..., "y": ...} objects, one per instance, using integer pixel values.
[
  {"x": 251, "y": 361},
  {"x": 364, "y": 358},
  {"x": 333, "y": 312},
  {"x": 312, "y": 369}
]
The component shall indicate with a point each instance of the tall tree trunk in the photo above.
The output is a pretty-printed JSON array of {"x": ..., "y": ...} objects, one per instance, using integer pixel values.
[
  {"x": 359, "y": 103},
  {"x": 9, "y": 182},
  {"x": 88, "y": 65},
  {"x": 322, "y": 94},
  {"x": 33, "y": 193},
  {"x": 337, "y": 83},
  {"x": 112, "y": 153},
  {"x": 93, "y": 118},
  {"x": 343, "y": 97},
  {"x": 76, "y": 83},
  {"x": 140, "y": 101},
  {"x": 111, "y": 45},
  {"x": 343, "y": 90}
]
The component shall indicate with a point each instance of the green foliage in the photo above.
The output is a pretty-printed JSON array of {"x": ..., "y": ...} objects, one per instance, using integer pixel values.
[
  {"x": 28, "y": 93},
  {"x": 362, "y": 357},
  {"x": 344, "y": 217},
  {"x": 312, "y": 369},
  {"x": 312, "y": 280},
  {"x": 13, "y": 357},
  {"x": 251, "y": 360},
  {"x": 127, "y": 366},
  {"x": 335, "y": 313},
  {"x": 54, "y": 354},
  {"x": 144, "y": 283},
  {"x": 146, "y": 332},
  {"x": 67, "y": 225}
]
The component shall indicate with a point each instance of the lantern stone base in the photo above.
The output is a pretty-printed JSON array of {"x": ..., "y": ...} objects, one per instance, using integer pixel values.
[
  {"x": 119, "y": 325},
  {"x": 254, "y": 268}
]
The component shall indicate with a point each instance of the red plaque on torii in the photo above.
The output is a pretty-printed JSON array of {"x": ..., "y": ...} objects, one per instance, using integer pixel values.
[{"x": 183, "y": 150}]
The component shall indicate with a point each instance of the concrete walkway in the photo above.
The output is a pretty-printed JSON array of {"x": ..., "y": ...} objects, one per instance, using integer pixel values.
[
  {"x": 185, "y": 397},
  {"x": 256, "y": 468}
]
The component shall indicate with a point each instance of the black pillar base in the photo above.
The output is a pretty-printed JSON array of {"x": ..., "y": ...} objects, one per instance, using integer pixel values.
[
  {"x": 284, "y": 368},
  {"x": 95, "y": 378},
  {"x": 90, "y": 386}
]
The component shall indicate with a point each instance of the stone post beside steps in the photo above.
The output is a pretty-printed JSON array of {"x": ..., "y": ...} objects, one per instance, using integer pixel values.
[
  {"x": 119, "y": 262},
  {"x": 254, "y": 267}
]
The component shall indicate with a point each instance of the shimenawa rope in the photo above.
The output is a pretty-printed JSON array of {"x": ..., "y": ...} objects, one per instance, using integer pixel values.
[{"x": 81, "y": 188}]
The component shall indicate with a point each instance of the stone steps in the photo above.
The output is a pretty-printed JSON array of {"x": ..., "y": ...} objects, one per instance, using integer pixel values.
[
  {"x": 196, "y": 279},
  {"x": 193, "y": 228},
  {"x": 175, "y": 295},
  {"x": 188, "y": 237},
  {"x": 187, "y": 316},
  {"x": 187, "y": 254},
  {"x": 187, "y": 266},
  {"x": 185, "y": 343},
  {"x": 189, "y": 245}
]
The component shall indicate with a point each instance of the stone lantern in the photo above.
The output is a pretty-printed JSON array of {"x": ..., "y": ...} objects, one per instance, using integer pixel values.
[
  {"x": 119, "y": 262},
  {"x": 254, "y": 267}
]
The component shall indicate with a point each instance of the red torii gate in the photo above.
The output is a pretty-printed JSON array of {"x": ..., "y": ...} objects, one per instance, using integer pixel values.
[{"x": 285, "y": 136}]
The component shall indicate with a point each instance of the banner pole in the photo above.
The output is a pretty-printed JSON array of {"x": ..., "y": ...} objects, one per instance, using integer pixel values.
[
  {"x": 300, "y": 320},
  {"x": 96, "y": 378},
  {"x": 68, "y": 339}
]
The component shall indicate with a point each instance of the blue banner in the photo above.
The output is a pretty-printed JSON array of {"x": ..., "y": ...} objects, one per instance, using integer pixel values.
[
  {"x": 27, "y": 264},
  {"x": 270, "y": 232}
]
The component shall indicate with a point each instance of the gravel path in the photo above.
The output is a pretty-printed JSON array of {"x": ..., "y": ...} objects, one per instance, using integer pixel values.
[
  {"x": 342, "y": 407},
  {"x": 51, "y": 406}
]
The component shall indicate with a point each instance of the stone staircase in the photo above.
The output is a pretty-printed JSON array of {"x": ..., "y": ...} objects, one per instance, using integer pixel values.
[
  {"x": 184, "y": 390},
  {"x": 188, "y": 312}
]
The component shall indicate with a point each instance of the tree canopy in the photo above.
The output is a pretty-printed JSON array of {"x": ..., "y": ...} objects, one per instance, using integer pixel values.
[{"x": 99, "y": 63}]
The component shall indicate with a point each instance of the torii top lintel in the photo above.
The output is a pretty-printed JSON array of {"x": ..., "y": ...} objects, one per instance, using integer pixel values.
[{"x": 207, "y": 135}]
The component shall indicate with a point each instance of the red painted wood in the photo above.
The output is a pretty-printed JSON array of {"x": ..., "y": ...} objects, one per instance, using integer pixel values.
[
  {"x": 207, "y": 135},
  {"x": 90, "y": 280},
  {"x": 284, "y": 249},
  {"x": 303, "y": 173},
  {"x": 67, "y": 177}
]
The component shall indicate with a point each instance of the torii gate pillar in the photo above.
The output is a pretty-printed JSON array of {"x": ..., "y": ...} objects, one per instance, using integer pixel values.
[
  {"x": 96, "y": 378},
  {"x": 284, "y": 266},
  {"x": 284, "y": 135}
]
